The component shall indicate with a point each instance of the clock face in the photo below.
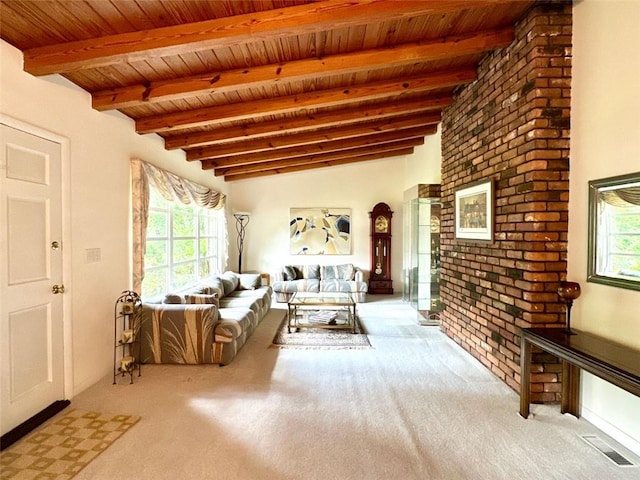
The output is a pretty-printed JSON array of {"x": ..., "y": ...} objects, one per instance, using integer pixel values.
[
  {"x": 435, "y": 224},
  {"x": 382, "y": 224}
]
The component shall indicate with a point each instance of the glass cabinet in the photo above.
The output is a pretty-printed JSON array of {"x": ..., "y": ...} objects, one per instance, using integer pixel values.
[{"x": 421, "y": 257}]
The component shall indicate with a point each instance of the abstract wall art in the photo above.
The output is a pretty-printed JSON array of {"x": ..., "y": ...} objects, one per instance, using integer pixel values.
[{"x": 320, "y": 231}]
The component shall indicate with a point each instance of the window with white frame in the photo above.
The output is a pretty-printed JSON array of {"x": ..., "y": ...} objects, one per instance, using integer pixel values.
[
  {"x": 619, "y": 239},
  {"x": 184, "y": 243}
]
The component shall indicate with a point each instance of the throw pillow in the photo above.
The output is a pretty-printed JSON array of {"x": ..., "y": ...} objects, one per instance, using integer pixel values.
[
  {"x": 229, "y": 281},
  {"x": 289, "y": 273},
  {"x": 249, "y": 281},
  {"x": 172, "y": 298},
  {"x": 311, "y": 271},
  {"x": 199, "y": 298},
  {"x": 214, "y": 285},
  {"x": 198, "y": 289},
  {"x": 346, "y": 271},
  {"x": 328, "y": 272},
  {"x": 338, "y": 272}
]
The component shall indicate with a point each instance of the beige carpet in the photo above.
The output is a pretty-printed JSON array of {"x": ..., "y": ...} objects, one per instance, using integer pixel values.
[
  {"x": 63, "y": 446},
  {"x": 414, "y": 407}
]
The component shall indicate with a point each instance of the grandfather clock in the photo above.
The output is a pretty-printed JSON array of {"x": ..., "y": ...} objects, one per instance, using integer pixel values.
[{"x": 380, "y": 277}]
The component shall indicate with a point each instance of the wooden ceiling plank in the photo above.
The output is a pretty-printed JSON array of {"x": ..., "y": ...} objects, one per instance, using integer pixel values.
[
  {"x": 121, "y": 17},
  {"x": 270, "y": 75},
  {"x": 305, "y": 150},
  {"x": 247, "y": 176},
  {"x": 296, "y": 103},
  {"x": 227, "y": 31},
  {"x": 319, "y": 158},
  {"x": 306, "y": 138},
  {"x": 308, "y": 121}
]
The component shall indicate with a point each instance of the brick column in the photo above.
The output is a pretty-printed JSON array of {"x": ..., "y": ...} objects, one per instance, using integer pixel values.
[{"x": 511, "y": 125}]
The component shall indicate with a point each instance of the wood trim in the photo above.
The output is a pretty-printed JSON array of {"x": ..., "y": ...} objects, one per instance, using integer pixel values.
[
  {"x": 306, "y": 138},
  {"x": 227, "y": 31},
  {"x": 324, "y": 147},
  {"x": 296, "y": 103},
  {"x": 275, "y": 74},
  {"x": 318, "y": 158},
  {"x": 344, "y": 161},
  {"x": 308, "y": 121}
]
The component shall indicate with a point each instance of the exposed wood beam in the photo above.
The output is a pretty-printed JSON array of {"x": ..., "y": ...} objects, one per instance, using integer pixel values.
[
  {"x": 319, "y": 158},
  {"x": 308, "y": 121},
  {"x": 228, "y": 31},
  {"x": 306, "y": 138},
  {"x": 271, "y": 75},
  {"x": 295, "y": 103},
  {"x": 306, "y": 150},
  {"x": 299, "y": 168}
]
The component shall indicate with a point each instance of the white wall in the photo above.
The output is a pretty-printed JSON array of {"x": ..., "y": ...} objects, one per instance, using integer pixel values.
[
  {"x": 424, "y": 166},
  {"x": 355, "y": 186},
  {"x": 269, "y": 198},
  {"x": 605, "y": 141},
  {"x": 101, "y": 145}
]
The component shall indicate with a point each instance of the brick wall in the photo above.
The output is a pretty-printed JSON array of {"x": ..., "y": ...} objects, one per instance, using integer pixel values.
[{"x": 512, "y": 126}]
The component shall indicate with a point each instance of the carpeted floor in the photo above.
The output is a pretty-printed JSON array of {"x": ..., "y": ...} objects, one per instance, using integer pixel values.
[
  {"x": 414, "y": 407},
  {"x": 64, "y": 446}
]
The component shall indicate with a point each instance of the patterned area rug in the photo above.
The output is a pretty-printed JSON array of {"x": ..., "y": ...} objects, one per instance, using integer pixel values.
[
  {"x": 320, "y": 338},
  {"x": 64, "y": 446}
]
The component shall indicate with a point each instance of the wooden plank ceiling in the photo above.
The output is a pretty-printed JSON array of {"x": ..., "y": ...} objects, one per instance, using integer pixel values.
[{"x": 264, "y": 87}]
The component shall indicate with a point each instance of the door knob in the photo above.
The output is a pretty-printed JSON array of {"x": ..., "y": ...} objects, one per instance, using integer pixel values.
[{"x": 57, "y": 289}]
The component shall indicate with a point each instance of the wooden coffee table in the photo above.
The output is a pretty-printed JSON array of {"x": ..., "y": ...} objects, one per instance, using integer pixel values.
[{"x": 335, "y": 310}]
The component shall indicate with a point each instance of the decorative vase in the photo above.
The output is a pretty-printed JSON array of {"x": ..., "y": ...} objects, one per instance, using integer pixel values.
[{"x": 568, "y": 292}]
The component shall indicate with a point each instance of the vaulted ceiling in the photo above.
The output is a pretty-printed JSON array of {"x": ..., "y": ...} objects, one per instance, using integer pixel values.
[{"x": 264, "y": 87}]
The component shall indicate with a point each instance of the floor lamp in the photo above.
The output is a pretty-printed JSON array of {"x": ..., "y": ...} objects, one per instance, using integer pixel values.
[{"x": 242, "y": 218}]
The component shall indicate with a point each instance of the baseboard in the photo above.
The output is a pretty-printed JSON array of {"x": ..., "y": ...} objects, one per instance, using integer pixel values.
[
  {"x": 80, "y": 387},
  {"x": 614, "y": 432},
  {"x": 34, "y": 422}
]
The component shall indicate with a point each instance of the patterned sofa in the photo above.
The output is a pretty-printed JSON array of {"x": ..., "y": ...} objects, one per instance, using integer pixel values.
[
  {"x": 319, "y": 278},
  {"x": 208, "y": 323}
]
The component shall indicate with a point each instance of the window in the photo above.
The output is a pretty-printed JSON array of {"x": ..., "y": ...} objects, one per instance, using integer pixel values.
[
  {"x": 614, "y": 231},
  {"x": 620, "y": 237},
  {"x": 183, "y": 244}
]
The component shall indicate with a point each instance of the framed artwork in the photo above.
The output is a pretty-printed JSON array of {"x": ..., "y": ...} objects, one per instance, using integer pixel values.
[
  {"x": 474, "y": 212},
  {"x": 320, "y": 231},
  {"x": 614, "y": 231}
]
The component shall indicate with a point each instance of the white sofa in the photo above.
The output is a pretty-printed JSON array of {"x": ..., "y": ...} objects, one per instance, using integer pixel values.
[{"x": 319, "y": 278}]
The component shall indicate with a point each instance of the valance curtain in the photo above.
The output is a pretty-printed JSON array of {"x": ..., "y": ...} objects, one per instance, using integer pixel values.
[
  {"x": 172, "y": 188},
  {"x": 622, "y": 197}
]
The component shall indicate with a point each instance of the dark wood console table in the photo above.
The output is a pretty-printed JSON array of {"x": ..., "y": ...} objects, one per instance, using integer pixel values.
[{"x": 610, "y": 361}]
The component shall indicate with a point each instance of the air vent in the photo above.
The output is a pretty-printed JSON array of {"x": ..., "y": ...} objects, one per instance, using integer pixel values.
[{"x": 607, "y": 450}]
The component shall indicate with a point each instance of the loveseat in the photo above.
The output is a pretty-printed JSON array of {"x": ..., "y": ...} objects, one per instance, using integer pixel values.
[
  {"x": 319, "y": 278},
  {"x": 208, "y": 323}
]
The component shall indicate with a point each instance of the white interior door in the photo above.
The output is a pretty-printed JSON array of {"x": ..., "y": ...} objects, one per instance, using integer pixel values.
[{"x": 31, "y": 335}]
